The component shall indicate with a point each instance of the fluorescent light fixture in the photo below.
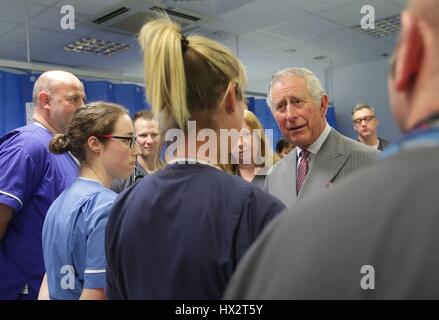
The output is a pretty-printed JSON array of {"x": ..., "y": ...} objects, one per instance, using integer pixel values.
[
  {"x": 383, "y": 27},
  {"x": 101, "y": 47}
]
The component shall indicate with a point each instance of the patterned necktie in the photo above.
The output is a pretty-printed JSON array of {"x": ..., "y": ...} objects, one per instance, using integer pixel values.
[{"x": 302, "y": 169}]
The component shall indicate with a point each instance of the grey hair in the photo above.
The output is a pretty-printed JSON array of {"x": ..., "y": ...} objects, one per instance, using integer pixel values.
[
  {"x": 312, "y": 82},
  {"x": 361, "y": 105}
]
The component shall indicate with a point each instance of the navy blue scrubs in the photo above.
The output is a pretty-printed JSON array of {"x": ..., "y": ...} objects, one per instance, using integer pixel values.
[{"x": 180, "y": 233}]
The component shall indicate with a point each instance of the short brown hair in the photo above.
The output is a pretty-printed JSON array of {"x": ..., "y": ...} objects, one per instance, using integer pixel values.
[
  {"x": 143, "y": 114},
  {"x": 360, "y": 106}
]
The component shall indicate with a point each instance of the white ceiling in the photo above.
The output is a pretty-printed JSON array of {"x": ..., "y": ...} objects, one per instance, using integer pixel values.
[{"x": 259, "y": 31}]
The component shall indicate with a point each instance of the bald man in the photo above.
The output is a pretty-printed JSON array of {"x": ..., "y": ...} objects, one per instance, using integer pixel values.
[
  {"x": 31, "y": 178},
  {"x": 373, "y": 236}
]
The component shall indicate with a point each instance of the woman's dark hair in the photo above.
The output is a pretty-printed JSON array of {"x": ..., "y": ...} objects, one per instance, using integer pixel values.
[{"x": 94, "y": 119}]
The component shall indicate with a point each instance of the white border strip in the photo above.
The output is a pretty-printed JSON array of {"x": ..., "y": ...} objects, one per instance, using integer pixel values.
[
  {"x": 95, "y": 271},
  {"x": 12, "y": 196}
]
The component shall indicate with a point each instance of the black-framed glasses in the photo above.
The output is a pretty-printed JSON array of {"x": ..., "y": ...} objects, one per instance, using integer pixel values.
[
  {"x": 367, "y": 119},
  {"x": 132, "y": 139}
]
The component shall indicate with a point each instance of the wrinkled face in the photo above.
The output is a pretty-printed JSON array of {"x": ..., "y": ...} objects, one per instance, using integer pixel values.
[
  {"x": 118, "y": 157},
  {"x": 365, "y": 122},
  {"x": 300, "y": 118},
  {"x": 148, "y": 136},
  {"x": 64, "y": 99}
]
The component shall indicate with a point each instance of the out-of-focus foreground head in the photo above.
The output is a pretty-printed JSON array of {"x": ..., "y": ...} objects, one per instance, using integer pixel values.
[{"x": 414, "y": 72}]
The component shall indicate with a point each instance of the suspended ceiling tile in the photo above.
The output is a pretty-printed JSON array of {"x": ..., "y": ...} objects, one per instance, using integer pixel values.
[
  {"x": 271, "y": 64},
  {"x": 304, "y": 54},
  {"x": 45, "y": 2},
  {"x": 114, "y": 37},
  {"x": 208, "y": 7},
  {"x": 51, "y": 19},
  {"x": 42, "y": 37},
  {"x": 18, "y": 51},
  {"x": 253, "y": 41},
  {"x": 89, "y": 7},
  {"x": 347, "y": 60},
  {"x": 377, "y": 47},
  {"x": 304, "y": 28},
  {"x": 350, "y": 15},
  {"x": 221, "y": 30},
  {"x": 393, "y": 39},
  {"x": 6, "y": 27},
  {"x": 341, "y": 37},
  {"x": 261, "y": 14},
  {"x": 284, "y": 48},
  {"x": 62, "y": 57},
  {"x": 402, "y": 3},
  {"x": 319, "y": 5},
  {"x": 15, "y": 11}
]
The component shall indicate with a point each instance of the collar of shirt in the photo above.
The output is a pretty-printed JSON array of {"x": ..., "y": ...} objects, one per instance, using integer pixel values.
[
  {"x": 140, "y": 169},
  {"x": 69, "y": 153},
  {"x": 193, "y": 161},
  {"x": 41, "y": 126},
  {"x": 315, "y": 147},
  {"x": 425, "y": 136},
  {"x": 91, "y": 180}
]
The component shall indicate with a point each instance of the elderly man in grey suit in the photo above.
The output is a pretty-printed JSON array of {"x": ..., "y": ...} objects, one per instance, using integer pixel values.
[
  {"x": 374, "y": 235},
  {"x": 322, "y": 155}
]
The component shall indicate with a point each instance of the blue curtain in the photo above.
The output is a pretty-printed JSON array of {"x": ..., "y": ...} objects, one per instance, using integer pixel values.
[
  {"x": 16, "y": 91},
  {"x": 263, "y": 112},
  {"x": 330, "y": 116},
  {"x": 130, "y": 96},
  {"x": 251, "y": 104},
  {"x": 98, "y": 91},
  {"x": 12, "y": 108}
]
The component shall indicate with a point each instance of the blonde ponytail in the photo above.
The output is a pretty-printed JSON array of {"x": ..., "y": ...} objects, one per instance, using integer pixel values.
[
  {"x": 164, "y": 69},
  {"x": 186, "y": 78}
]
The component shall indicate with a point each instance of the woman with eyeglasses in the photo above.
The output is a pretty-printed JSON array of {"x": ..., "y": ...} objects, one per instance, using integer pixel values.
[
  {"x": 180, "y": 233},
  {"x": 101, "y": 136}
]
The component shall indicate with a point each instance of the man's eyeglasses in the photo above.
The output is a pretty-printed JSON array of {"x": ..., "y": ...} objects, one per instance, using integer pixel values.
[
  {"x": 367, "y": 119},
  {"x": 132, "y": 139}
]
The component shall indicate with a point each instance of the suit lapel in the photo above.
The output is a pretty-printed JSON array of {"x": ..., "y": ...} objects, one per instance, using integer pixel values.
[{"x": 326, "y": 165}]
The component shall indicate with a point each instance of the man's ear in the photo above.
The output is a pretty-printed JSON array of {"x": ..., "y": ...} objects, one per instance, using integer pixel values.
[
  {"x": 94, "y": 145},
  {"x": 43, "y": 100},
  {"x": 324, "y": 105},
  {"x": 231, "y": 99},
  {"x": 410, "y": 52}
]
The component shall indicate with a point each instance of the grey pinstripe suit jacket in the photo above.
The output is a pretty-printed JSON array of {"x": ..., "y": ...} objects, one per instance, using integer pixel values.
[{"x": 338, "y": 157}]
